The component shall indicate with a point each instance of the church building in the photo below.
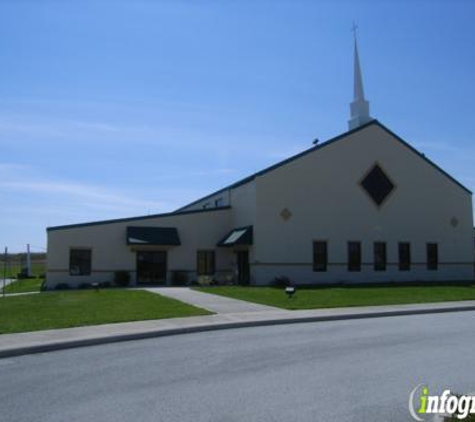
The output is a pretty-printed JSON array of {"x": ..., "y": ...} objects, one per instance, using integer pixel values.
[{"x": 362, "y": 207}]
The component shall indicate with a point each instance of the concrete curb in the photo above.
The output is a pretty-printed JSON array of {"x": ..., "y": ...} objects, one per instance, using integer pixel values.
[{"x": 164, "y": 331}]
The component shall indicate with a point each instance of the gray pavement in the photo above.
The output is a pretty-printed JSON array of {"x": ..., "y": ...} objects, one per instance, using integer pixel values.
[
  {"x": 49, "y": 340},
  {"x": 211, "y": 302},
  {"x": 6, "y": 282},
  {"x": 348, "y": 371}
]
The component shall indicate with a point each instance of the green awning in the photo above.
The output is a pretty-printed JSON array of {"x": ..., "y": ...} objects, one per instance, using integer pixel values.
[
  {"x": 153, "y": 236},
  {"x": 238, "y": 236}
]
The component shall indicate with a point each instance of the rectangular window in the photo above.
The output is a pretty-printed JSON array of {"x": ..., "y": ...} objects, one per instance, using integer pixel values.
[
  {"x": 80, "y": 262},
  {"x": 404, "y": 256},
  {"x": 354, "y": 256},
  {"x": 379, "y": 256},
  {"x": 432, "y": 256},
  {"x": 219, "y": 202},
  {"x": 206, "y": 263},
  {"x": 320, "y": 256}
]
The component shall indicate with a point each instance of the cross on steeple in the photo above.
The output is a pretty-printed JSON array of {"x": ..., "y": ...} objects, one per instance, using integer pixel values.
[{"x": 354, "y": 28}]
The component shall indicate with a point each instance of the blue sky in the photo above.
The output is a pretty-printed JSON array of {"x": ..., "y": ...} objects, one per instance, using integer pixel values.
[{"x": 123, "y": 108}]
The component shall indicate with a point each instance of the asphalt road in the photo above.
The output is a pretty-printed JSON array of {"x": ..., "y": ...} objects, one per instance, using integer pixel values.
[{"x": 359, "y": 370}]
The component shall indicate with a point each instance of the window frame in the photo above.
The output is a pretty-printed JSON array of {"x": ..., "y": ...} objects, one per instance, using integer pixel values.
[
  {"x": 320, "y": 266},
  {"x": 209, "y": 269},
  {"x": 402, "y": 266},
  {"x": 380, "y": 266},
  {"x": 358, "y": 265},
  {"x": 432, "y": 265},
  {"x": 81, "y": 272}
]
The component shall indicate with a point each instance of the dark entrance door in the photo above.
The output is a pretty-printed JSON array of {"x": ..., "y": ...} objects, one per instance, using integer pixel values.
[
  {"x": 243, "y": 267},
  {"x": 151, "y": 267}
]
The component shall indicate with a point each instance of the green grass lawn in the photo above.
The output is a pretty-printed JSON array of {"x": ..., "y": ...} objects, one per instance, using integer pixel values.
[
  {"x": 333, "y": 297},
  {"x": 37, "y": 268},
  {"x": 23, "y": 286},
  {"x": 79, "y": 308}
]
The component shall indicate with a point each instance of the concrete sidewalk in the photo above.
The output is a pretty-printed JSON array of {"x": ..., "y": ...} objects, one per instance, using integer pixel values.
[
  {"x": 43, "y": 341},
  {"x": 211, "y": 302},
  {"x": 7, "y": 282}
]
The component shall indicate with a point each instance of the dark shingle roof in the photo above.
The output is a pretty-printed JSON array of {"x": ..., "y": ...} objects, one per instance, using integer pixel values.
[
  {"x": 156, "y": 236},
  {"x": 237, "y": 236}
]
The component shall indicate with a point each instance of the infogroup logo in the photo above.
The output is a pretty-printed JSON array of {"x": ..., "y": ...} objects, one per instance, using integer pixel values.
[{"x": 422, "y": 404}]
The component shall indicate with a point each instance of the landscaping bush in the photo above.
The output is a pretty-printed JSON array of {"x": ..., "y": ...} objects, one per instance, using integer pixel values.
[
  {"x": 206, "y": 280},
  {"x": 22, "y": 274},
  {"x": 62, "y": 286},
  {"x": 122, "y": 278},
  {"x": 105, "y": 284},
  {"x": 179, "y": 278},
  {"x": 83, "y": 286},
  {"x": 281, "y": 282}
]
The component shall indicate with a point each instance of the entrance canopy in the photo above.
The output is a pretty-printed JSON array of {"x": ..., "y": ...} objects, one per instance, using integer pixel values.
[
  {"x": 239, "y": 236},
  {"x": 153, "y": 236}
]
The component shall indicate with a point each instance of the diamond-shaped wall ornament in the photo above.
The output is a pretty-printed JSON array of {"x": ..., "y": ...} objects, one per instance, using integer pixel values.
[
  {"x": 285, "y": 214},
  {"x": 377, "y": 185}
]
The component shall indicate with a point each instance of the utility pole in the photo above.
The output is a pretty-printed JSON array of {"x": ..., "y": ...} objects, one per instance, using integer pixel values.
[
  {"x": 28, "y": 261},
  {"x": 4, "y": 271}
]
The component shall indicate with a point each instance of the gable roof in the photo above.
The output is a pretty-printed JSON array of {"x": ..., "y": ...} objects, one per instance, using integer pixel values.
[
  {"x": 320, "y": 146},
  {"x": 250, "y": 178},
  {"x": 141, "y": 217}
]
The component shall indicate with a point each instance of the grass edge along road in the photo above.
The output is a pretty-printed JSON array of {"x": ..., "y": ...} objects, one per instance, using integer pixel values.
[
  {"x": 51, "y": 310},
  {"x": 336, "y": 297}
]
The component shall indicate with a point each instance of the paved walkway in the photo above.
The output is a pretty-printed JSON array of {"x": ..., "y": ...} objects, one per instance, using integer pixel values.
[
  {"x": 7, "y": 282},
  {"x": 19, "y": 294},
  {"x": 211, "y": 302},
  {"x": 49, "y": 340},
  {"x": 10, "y": 281}
]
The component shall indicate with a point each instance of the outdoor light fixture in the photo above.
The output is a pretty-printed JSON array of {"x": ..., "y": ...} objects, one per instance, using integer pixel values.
[{"x": 290, "y": 291}]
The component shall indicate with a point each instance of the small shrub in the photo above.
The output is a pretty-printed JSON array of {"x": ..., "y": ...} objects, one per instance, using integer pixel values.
[
  {"x": 229, "y": 280},
  {"x": 205, "y": 280},
  {"x": 194, "y": 282},
  {"x": 22, "y": 274},
  {"x": 122, "y": 278},
  {"x": 62, "y": 286},
  {"x": 179, "y": 278},
  {"x": 84, "y": 286},
  {"x": 105, "y": 284},
  {"x": 281, "y": 282}
]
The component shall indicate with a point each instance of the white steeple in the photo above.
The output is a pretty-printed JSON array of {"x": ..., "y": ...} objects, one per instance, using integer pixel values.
[{"x": 359, "y": 108}]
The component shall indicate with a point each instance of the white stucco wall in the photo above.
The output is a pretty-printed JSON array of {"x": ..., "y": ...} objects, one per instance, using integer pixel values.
[
  {"x": 200, "y": 230},
  {"x": 322, "y": 191},
  {"x": 243, "y": 201}
]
